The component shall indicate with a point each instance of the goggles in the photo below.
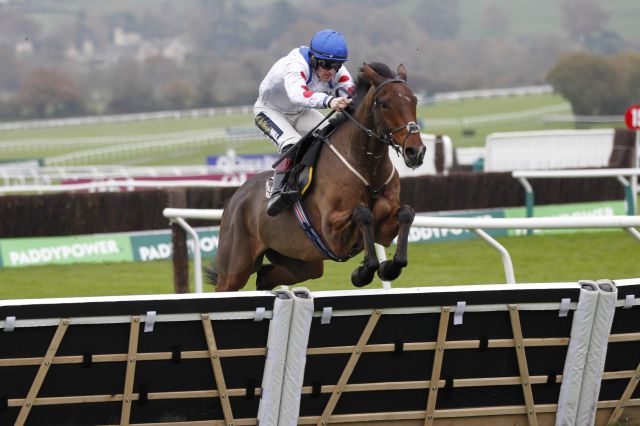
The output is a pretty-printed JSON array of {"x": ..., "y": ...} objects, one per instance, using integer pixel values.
[{"x": 327, "y": 64}]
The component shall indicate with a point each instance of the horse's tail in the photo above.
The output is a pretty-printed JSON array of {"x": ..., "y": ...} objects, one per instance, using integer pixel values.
[{"x": 211, "y": 274}]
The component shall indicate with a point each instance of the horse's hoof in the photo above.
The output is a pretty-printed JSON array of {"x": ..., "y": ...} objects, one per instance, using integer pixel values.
[
  {"x": 389, "y": 270},
  {"x": 361, "y": 276}
]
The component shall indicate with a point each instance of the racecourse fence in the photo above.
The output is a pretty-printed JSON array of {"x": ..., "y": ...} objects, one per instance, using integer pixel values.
[
  {"x": 630, "y": 187},
  {"x": 549, "y": 149},
  {"x": 64, "y": 168},
  {"x": 477, "y": 225},
  {"x": 537, "y": 354},
  {"x": 125, "y": 118}
]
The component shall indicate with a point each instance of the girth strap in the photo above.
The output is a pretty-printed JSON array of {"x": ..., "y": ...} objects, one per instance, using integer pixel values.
[{"x": 316, "y": 239}]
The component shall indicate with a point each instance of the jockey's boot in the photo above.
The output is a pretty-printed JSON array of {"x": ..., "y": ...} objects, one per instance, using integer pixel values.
[{"x": 281, "y": 196}]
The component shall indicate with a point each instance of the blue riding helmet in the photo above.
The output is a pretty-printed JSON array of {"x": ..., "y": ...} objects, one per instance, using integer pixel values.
[{"x": 329, "y": 44}]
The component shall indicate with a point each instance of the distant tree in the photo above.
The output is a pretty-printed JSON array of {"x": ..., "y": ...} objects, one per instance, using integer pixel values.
[
  {"x": 441, "y": 19},
  {"x": 494, "y": 21},
  {"x": 157, "y": 71},
  {"x": 47, "y": 92},
  {"x": 15, "y": 26},
  {"x": 594, "y": 85},
  {"x": 605, "y": 42},
  {"x": 128, "y": 21},
  {"x": 178, "y": 94},
  {"x": 10, "y": 76},
  {"x": 628, "y": 67},
  {"x": 206, "y": 77},
  {"x": 280, "y": 15},
  {"x": 130, "y": 91},
  {"x": 582, "y": 18},
  {"x": 634, "y": 86},
  {"x": 226, "y": 27}
]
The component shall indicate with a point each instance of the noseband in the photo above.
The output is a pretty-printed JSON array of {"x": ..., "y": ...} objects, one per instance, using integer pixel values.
[{"x": 386, "y": 138}]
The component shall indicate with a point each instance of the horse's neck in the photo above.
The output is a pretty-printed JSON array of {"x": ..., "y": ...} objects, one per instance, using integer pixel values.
[{"x": 367, "y": 154}]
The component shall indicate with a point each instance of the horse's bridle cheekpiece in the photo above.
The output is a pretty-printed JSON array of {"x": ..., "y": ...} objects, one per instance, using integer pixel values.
[{"x": 387, "y": 138}]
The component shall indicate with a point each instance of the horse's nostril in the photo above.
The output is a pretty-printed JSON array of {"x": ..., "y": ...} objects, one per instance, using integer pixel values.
[{"x": 410, "y": 152}]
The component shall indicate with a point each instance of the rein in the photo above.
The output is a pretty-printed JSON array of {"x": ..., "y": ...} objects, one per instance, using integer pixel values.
[{"x": 385, "y": 139}]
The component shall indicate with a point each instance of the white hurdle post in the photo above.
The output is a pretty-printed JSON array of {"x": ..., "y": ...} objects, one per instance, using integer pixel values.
[{"x": 178, "y": 216}]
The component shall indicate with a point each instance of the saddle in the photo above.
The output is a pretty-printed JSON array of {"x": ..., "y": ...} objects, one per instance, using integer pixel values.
[{"x": 304, "y": 155}]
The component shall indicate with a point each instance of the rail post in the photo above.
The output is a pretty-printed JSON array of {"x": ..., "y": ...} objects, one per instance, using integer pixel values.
[{"x": 178, "y": 199}]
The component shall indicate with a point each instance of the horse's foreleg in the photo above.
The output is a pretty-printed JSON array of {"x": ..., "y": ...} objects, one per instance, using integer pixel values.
[
  {"x": 390, "y": 269},
  {"x": 363, "y": 274}
]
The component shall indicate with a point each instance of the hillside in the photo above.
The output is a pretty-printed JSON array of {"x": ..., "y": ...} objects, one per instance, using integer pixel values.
[{"x": 158, "y": 54}]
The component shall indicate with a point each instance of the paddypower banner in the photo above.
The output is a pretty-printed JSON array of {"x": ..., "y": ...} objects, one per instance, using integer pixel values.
[
  {"x": 103, "y": 248},
  {"x": 157, "y": 245},
  {"x": 65, "y": 250}
]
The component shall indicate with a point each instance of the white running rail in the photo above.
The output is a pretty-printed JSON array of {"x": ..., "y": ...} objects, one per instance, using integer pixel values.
[
  {"x": 113, "y": 185},
  {"x": 477, "y": 225}
]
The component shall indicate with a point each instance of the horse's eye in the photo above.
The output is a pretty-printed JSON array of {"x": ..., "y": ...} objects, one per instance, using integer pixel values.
[{"x": 384, "y": 105}]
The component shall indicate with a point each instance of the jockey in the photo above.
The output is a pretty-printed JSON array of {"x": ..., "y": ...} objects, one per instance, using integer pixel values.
[{"x": 292, "y": 92}]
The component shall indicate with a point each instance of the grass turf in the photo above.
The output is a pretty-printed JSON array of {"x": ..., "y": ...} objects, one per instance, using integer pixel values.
[{"x": 541, "y": 258}]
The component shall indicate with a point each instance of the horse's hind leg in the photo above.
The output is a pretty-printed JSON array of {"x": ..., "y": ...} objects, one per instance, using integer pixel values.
[
  {"x": 235, "y": 262},
  {"x": 286, "y": 271},
  {"x": 363, "y": 274},
  {"x": 390, "y": 269}
]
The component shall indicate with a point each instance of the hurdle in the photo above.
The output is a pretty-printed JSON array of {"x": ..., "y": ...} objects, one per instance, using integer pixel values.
[{"x": 537, "y": 354}]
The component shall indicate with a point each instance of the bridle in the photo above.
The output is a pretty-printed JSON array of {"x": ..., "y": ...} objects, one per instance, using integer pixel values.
[{"x": 386, "y": 138}]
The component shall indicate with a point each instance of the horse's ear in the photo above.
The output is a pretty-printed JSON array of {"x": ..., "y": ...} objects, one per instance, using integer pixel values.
[
  {"x": 402, "y": 72},
  {"x": 373, "y": 76}
]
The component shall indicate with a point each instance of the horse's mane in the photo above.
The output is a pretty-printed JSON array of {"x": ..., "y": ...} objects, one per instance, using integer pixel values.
[{"x": 362, "y": 87}]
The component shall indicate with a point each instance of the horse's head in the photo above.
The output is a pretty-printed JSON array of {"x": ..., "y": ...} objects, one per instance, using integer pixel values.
[{"x": 394, "y": 113}]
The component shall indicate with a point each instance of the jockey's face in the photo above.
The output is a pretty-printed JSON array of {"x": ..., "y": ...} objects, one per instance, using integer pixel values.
[
  {"x": 327, "y": 69},
  {"x": 325, "y": 74}
]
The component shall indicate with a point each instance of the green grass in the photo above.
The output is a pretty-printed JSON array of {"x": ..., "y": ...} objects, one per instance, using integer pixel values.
[
  {"x": 487, "y": 106},
  {"x": 543, "y": 258},
  {"x": 462, "y": 135},
  {"x": 481, "y": 107}
]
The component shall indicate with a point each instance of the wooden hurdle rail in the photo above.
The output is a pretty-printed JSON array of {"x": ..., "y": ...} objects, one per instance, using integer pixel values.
[{"x": 417, "y": 356}]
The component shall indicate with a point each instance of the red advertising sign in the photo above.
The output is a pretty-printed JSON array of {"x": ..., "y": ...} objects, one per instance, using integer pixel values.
[{"x": 632, "y": 117}]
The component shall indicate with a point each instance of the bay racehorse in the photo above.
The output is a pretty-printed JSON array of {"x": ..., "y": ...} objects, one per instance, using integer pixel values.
[{"x": 354, "y": 199}]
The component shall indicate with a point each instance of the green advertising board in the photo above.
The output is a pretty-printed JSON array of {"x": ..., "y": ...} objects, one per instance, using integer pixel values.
[
  {"x": 419, "y": 234},
  {"x": 600, "y": 208},
  {"x": 157, "y": 246},
  {"x": 18, "y": 252},
  {"x": 434, "y": 235},
  {"x": 103, "y": 248}
]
